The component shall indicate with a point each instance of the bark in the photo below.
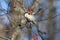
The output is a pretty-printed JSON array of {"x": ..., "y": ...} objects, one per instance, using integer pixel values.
[{"x": 51, "y": 23}]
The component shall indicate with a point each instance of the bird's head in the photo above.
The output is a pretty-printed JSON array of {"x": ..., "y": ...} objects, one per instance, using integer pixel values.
[{"x": 26, "y": 14}]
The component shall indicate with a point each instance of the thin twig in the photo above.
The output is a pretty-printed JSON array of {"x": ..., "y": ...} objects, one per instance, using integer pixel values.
[{"x": 5, "y": 38}]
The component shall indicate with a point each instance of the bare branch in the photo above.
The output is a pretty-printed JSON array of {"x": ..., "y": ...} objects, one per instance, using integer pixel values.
[
  {"x": 21, "y": 5},
  {"x": 34, "y": 4},
  {"x": 50, "y": 18},
  {"x": 5, "y": 38}
]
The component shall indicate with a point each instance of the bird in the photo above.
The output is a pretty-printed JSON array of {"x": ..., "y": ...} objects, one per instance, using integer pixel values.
[{"x": 31, "y": 18}]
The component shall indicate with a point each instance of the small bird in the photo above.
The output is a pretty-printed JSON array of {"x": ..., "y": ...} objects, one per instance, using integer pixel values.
[{"x": 30, "y": 18}]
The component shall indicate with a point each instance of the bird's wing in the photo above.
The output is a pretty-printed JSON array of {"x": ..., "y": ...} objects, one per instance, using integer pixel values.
[{"x": 31, "y": 17}]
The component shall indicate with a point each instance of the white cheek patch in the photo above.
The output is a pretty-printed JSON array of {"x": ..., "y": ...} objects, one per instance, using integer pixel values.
[{"x": 25, "y": 15}]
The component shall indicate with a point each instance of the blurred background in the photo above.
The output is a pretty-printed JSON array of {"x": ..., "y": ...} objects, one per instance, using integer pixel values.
[{"x": 49, "y": 18}]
